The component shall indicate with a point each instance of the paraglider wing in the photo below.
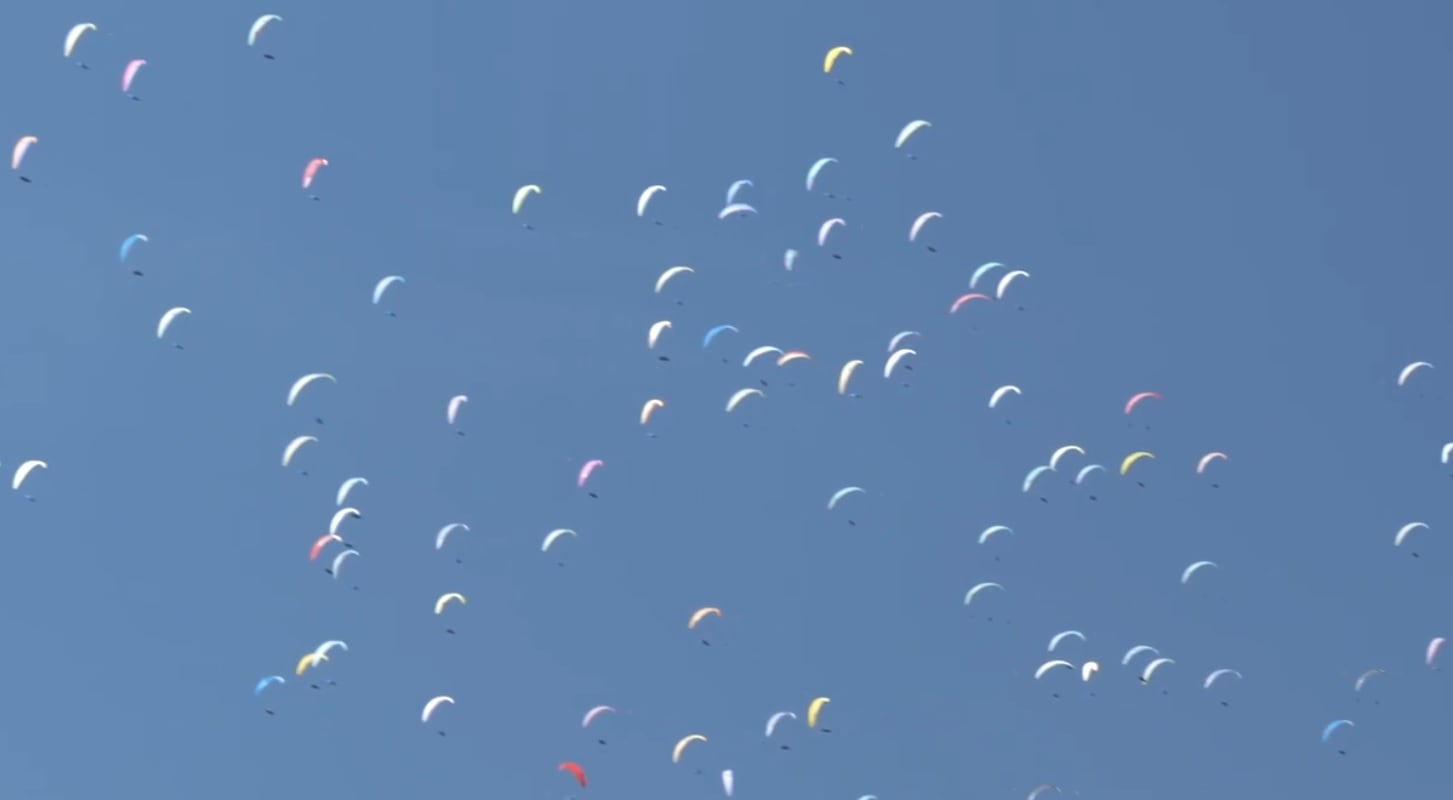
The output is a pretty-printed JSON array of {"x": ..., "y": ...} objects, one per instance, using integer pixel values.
[
  {"x": 433, "y": 704},
  {"x": 74, "y": 35},
  {"x": 646, "y": 196},
  {"x": 830, "y": 60},
  {"x": 257, "y": 26},
  {"x": 815, "y": 708},
  {"x": 575, "y": 771}
]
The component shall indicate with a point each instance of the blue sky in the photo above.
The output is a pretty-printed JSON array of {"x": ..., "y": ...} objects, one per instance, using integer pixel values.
[{"x": 1231, "y": 203}]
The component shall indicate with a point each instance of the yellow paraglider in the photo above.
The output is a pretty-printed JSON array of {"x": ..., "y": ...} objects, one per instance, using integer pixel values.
[
  {"x": 1132, "y": 458},
  {"x": 832, "y": 56},
  {"x": 309, "y": 660},
  {"x": 814, "y": 708}
]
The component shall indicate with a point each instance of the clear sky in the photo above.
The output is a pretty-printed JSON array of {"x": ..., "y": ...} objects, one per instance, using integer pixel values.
[{"x": 1233, "y": 203}]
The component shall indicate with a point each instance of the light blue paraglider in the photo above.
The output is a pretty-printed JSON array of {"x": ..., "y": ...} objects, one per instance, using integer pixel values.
[
  {"x": 711, "y": 334},
  {"x": 129, "y": 243}
]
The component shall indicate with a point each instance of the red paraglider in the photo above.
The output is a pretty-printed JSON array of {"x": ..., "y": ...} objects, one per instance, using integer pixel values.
[{"x": 574, "y": 769}]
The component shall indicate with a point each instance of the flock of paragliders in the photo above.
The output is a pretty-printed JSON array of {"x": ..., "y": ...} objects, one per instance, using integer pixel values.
[{"x": 898, "y": 358}]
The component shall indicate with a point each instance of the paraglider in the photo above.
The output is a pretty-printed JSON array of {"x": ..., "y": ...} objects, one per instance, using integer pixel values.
[
  {"x": 759, "y": 352},
  {"x": 670, "y": 273},
  {"x": 826, "y": 228},
  {"x": 814, "y": 709},
  {"x": 1135, "y": 651},
  {"x": 908, "y": 130},
  {"x": 964, "y": 298},
  {"x": 737, "y": 186},
  {"x": 1402, "y": 534},
  {"x": 816, "y": 168},
  {"x": 304, "y": 382},
  {"x": 337, "y": 566},
  {"x": 735, "y": 208},
  {"x": 451, "y": 413},
  {"x": 1085, "y": 472},
  {"x": 294, "y": 446},
  {"x": 73, "y": 36},
  {"x": 433, "y": 704},
  {"x": 1061, "y": 452},
  {"x": 1150, "y": 669},
  {"x": 653, "y": 335},
  {"x": 894, "y": 359},
  {"x": 1052, "y": 664},
  {"x": 1034, "y": 476},
  {"x": 1006, "y": 280},
  {"x": 1132, "y": 458},
  {"x": 1407, "y": 372},
  {"x": 715, "y": 332},
  {"x": 1334, "y": 726},
  {"x": 981, "y": 271},
  {"x": 382, "y": 286},
  {"x": 974, "y": 592},
  {"x": 645, "y": 199},
  {"x": 17, "y": 155},
  {"x": 680, "y": 748},
  {"x": 846, "y": 374},
  {"x": 1206, "y": 460},
  {"x": 898, "y": 339},
  {"x": 918, "y": 224},
  {"x": 1138, "y": 398},
  {"x": 444, "y": 599},
  {"x": 1362, "y": 679},
  {"x": 1000, "y": 392},
  {"x": 775, "y": 719},
  {"x": 650, "y": 408},
  {"x": 1194, "y": 568},
  {"x": 830, "y": 60},
  {"x": 308, "y": 661},
  {"x": 1060, "y": 637},
  {"x": 701, "y": 614},
  {"x": 166, "y": 321},
  {"x": 1216, "y": 675},
  {"x": 320, "y": 543},
  {"x": 740, "y": 395},
  {"x": 256, "y": 29},
  {"x": 340, "y": 515},
  {"x": 593, "y": 713},
  {"x": 310, "y": 172},
  {"x": 575, "y": 771},
  {"x": 128, "y": 75},
  {"x": 443, "y": 535},
  {"x": 23, "y": 471},
  {"x": 519, "y": 201},
  {"x": 587, "y": 470},
  {"x": 552, "y": 536},
  {"x": 840, "y": 494},
  {"x": 993, "y": 529},
  {"x": 127, "y": 244}
]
